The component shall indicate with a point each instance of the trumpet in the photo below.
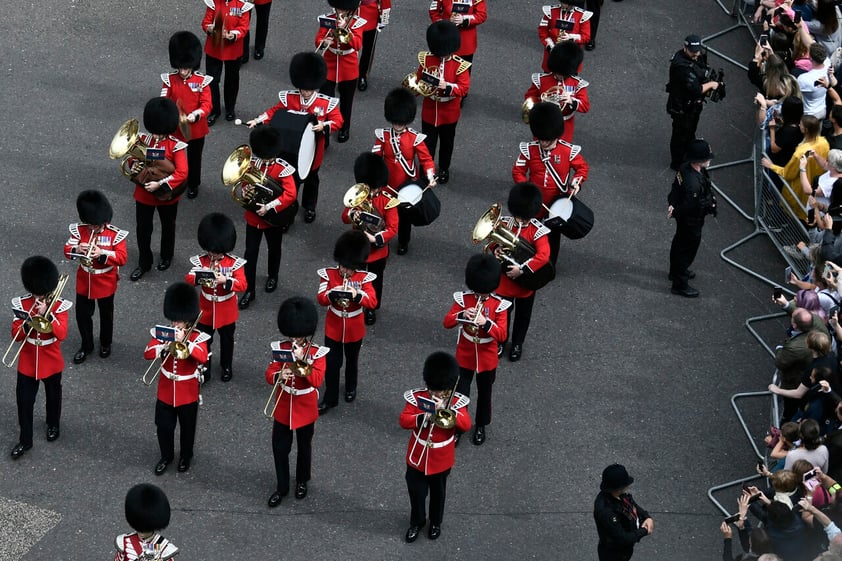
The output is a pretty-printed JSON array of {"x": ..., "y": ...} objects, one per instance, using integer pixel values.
[
  {"x": 340, "y": 34},
  {"x": 301, "y": 369},
  {"x": 87, "y": 260},
  {"x": 180, "y": 349},
  {"x": 210, "y": 283},
  {"x": 444, "y": 418},
  {"x": 37, "y": 323},
  {"x": 344, "y": 302},
  {"x": 473, "y": 328}
]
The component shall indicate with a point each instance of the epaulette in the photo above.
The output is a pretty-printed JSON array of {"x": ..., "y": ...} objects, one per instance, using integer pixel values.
[
  {"x": 179, "y": 145},
  {"x": 63, "y": 306},
  {"x": 165, "y": 77},
  {"x": 369, "y": 277},
  {"x": 461, "y": 401},
  {"x": 524, "y": 148},
  {"x": 74, "y": 230},
  {"x": 196, "y": 261},
  {"x": 121, "y": 234},
  {"x": 503, "y": 304},
  {"x": 536, "y": 78},
  {"x": 201, "y": 337},
  {"x": 322, "y": 351},
  {"x": 288, "y": 168},
  {"x": 238, "y": 262},
  {"x": 17, "y": 302},
  {"x": 574, "y": 150},
  {"x": 282, "y": 95},
  {"x": 246, "y": 7},
  {"x": 380, "y": 134},
  {"x": 459, "y": 297},
  {"x": 542, "y": 230},
  {"x": 276, "y": 345},
  {"x": 422, "y": 57},
  {"x": 358, "y": 22},
  {"x": 210, "y": 4},
  {"x": 323, "y": 273},
  {"x": 409, "y": 395},
  {"x": 582, "y": 83},
  {"x": 419, "y": 136},
  {"x": 206, "y": 80},
  {"x": 463, "y": 64},
  {"x": 586, "y": 15},
  {"x": 332, "y": 103},
  {"x": 548, "y": 11}
]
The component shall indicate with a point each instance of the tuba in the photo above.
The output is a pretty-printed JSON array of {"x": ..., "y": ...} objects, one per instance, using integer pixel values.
[
  {"x": 127, "y": 145},
  {"x": 358, "y": 197},
  {"x": 238, "y": 170},
  {"x": 552, "y": 95}
]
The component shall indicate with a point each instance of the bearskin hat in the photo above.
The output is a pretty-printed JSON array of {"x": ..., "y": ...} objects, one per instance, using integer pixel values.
[
  {"x": 266, "y": 142},
  {"x": 93, "y": 207},
  {"x": 297, "y": 317},
  {"x": 546, "y": 121},
  {"x": 440, "y": 371},
  {"x": 351, "y": 250},
  {"x": 160, "y": 116},
  {"x": 525, "y": 200},
  {"x": 443, "y": 38},
  {"x": 181, "y": 303},
  {"x": 147, "y": 508},
  {"x": 574, "y": 3},
  {"x": 399, "y": 107},
  {"x": 565, "y": 58},
  {"x": 307, "y": 71},
  {"x": 39, "y": 275},
  {"x": 371, "y": 169},
  {"x": 217, "y": 233},
  {"x": 482, "y": 273},
  {"x": 349, "y": 5},
  {"x": 185, "y": 50}
]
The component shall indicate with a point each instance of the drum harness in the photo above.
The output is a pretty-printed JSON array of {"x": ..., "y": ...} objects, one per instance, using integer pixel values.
[{"x": 394, "y": 140}]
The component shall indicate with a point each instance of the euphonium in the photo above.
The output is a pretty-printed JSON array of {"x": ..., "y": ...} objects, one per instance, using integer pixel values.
[
  {"x": 238, "y": 170},
  {"x": 127, "y": 144},
  {"x": 489, "y": 229},
  {"x": 40, "y": 324},
  {"x": 419, "y": 87},
  {"x": 358, "y": 197},
  {"x": 552, "y": 95}
]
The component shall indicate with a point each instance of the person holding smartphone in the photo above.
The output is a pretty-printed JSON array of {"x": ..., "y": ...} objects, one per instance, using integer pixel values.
[{"x": 620, "y": 521}]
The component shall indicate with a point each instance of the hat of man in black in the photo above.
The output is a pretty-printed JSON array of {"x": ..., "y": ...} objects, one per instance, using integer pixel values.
[
  {"x": 614, "y": 478},
  {"x": 185, "y": 50},
  {"x": 181, "y": 303},
  {"x": 698, "y": 150},
  {"x": 160, "y": 116},
  {"x": 307, "y": 71},
  {"x": 693, "y": 43}
]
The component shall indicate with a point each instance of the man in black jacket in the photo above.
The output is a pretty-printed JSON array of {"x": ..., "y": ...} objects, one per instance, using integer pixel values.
[{"x": 620, "y": 522}]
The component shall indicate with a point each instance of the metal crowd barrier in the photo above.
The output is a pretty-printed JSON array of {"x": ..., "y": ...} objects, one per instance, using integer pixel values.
[{"x": 737, "y": 10}]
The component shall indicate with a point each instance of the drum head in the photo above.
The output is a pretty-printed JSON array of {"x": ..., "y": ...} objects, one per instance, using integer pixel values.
[
  {"x": 410, "y": 194},
  {"x": 306, "y": 152},
  {"x": 563, "y": 208}
]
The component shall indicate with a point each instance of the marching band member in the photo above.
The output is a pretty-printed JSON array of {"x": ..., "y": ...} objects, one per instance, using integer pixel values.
[
  {"x": 226, "y": 22},
  {"x": 180, "y": 378},
  {"x": 341, "y": 58},
  {"x": 524, "y": 204},
  {"x": 482, "y": 317},
  {"x": 371, "y": 170},
  {"x": 165, "y": 152},
  {"x": 296, "y": 401},
  {"x": 40, "y": 356},
  {"x": 308, "y": 72},
  {"x": 101, "y": 249},
  {"x": 147, "y": 512},
  {"x": 399, "y": 145},
  {"x": 565, "y": 21},
  {"x": 265, "y": 144},
  {"x": 220, "y": 276},
  {"x": 440, "y": 111},
  {"x": 572, "y": 92},
  {"x": 467, "y": 15},
  {"x": 345, "y": 290},
  {"x": 188, "y": 88},
  {"x": 431, "y": 451},
  {"x": 548, "y": 161},
  {"x": 376, "y": 15},
  {"x": 261, "y": 30}
]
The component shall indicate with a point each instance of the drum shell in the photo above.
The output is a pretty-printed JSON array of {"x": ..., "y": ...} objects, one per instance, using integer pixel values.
[
  {"x": 575, "y": 225},
  {"x": 424, "y": 212}
]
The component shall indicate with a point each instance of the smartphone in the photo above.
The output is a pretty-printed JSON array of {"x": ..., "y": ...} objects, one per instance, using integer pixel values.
[
  {"x": 787, "y": 274},
  {"x": 764, "y": 40},
  {"x": 760, "y": 465},
  {"x": 731, "y": 519},
  {"x": 797, "y": 17},
  {"x": 776, "y": 294},
  {"x": 810, "y": 474}
]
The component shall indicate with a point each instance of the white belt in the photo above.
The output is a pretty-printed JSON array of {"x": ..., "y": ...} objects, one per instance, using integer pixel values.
[
  {"x": 293, "y": 391},
  {"x": 40, "y": 342},
  {"x": 92, "y": 271},
  {"x": 442, "y": 444},
  {"x": 215, "y": 298},
  {"x": 178, "y": 378},
  {"x": 346, "y": 314},
  {"x": 442, "y": 99},
  {"x": 474, "y": 338},
  {"x": 338, "y": 52}
]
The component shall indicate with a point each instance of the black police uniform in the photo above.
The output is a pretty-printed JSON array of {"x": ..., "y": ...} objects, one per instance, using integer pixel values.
[
  {"x": 692, "y": 199},
  {"x": 618, "y": 523},
  {"x": 685, "y": 102}
]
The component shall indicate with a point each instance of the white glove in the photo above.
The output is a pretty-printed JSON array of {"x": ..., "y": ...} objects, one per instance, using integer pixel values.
[{"x": 384, "y": 16}]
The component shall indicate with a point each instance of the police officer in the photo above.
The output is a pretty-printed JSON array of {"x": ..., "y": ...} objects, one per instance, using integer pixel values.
[
  {"x": 690, "y": 200},
  {"x": 687, "y": 91},
  {"x": 620, "y": 522}
]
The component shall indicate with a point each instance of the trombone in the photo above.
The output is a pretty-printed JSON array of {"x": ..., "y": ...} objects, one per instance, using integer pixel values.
[
  {"x": 342, "y": 35},
  {"x": 179, "y": 349},
  {"x": 473, "y": 328},
  {"x": 39, "y": 324},
  {"x": 444, "y": 418},
  {"x": 302, "y": 369}
]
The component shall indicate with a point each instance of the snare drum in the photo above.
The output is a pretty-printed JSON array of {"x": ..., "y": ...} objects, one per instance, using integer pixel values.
[
  {"x": 570, "y": 216},
  {"x": 420, "y": 206}
]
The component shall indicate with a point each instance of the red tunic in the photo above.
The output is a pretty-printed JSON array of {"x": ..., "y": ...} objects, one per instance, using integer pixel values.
[
  {"x": 237, "y": 16},
  {"x": 41, "y": 354},
  {"x": 548, "y": 30},
  {"x": 478, "y": 352},
  {"x": 192, "y": 97},
  {"x": 219, "y": 302},
  {"x": 298, "y": 399},
  {"x": 343, "y": 59},
  {"x": 476, "y": 15},
  {"x": 399, "y": 151},
  {"x": 346, "y": 326},
  {"x": 282, "y": 173},
  {"x": 370, "y": 11},
  {"x": 535, "y": 233},
  {"x": 100, "y": 279},
  {"x": 445, "y": 106},
  {"x": 178, "y": 383},
  {"x": 549, "y": 171},
  {"x": 432, "y": 449},
  {"x": 324, "y": 107},
  {"x": 174, "y": 152},
  {"x": 573, "y": 84},
  {"x": 380, "y": 247},
  {"x": 131, "y": 548}
]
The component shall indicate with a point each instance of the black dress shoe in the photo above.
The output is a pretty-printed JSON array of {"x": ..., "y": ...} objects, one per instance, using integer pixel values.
[
  {"x": 309, "y": 215},
  {"x": 227, "y": 374},
  {"x": 19, "y": 450},
  {"x": 80, "y": 356},
  {"x": 343, "y": 136},
  {"x": 164, "y": 264},
  {"x": 402, "y": 249},
  {"x": 434, "y": 532},
  {"x": 183, "y": 465},
  {"x": 479, "y": 435},
  {"x": 362, "y": 85},
  {"x": 52, "y": 434},
  {"x": 192, "y": 192},
  {"x": 105, "y": 351},
  {"x": 230, "y": 116},
  {"x": 370, "y": 317},
  {"x": 514, "y": 354},
  {"x": 212, "y": 119},
  {"x": 258, "y": 55},
  {"x": 500, "y": 348},
  {"x": 300, "y": 490},
  {"x": 690, "y": 275},
  {"x": 443, "y": 176},
  {"x": 244, "y": 59},
  {"x": 246, "y": 299},
  {"x": 275, "y": 499},
  {"x": 350, "y": 396},
  {"x": 412, "y": 533},
  {"x": 688, "y": 291},
  {"x": 161, "y": 466},
  {"x": 271, "y": 284},
  {"x": 590, "y": 45},
  {"x": 137, "y": 274},
  {"x": 324, "y": 408}
]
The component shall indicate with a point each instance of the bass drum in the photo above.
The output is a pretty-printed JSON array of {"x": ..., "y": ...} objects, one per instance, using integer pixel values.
[
  {"x": 570, "y": 216},
  {"x": 420, "y": 206},
  {"x": 297, "y": 139}
]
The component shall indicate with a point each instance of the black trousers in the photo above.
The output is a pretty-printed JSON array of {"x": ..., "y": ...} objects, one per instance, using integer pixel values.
[
  {"x": 85, "y": 320},
  {"x": 418, "y": 486},
  {"x": 685, "y": 245},
  {"x": 367, "y": 52},
  {"x": 334, "y": 363},
  {"x": 522, "y": 311},
  {"x": 166, "y": 417},
  {"x": 594, "y": 6},
  {"x": 346, "y": 91},
  {"x": 261, "y": 29},
  {"x": 281, "y": 447},
  {"x": 554, "y": 239},
  {"x": 226, "y": 343},
  {"x": 232, "y": 82},
  {"x": 309, "y": 189},
  {"x": 485, "y": 383},
  {"x": 404, "y": 226},
  {"x": 607, "y": 553},
  {"x": 194, "y": 161},
  {"x": 683, "y": 131},
  {"x": 274, "y": 240},
  {"x": 25, "y": 392},
  {"x": 144, "y": 215},
  {"x": 447, "y": 135},
  {"x": 378, "y": 268}
]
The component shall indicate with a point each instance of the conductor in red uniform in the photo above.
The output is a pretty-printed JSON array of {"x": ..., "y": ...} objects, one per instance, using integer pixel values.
[
  {"x": 295, "y": 405},
  {"x": 40, "y": 357},
  {"x": 219, "y": 276},
  {"x": 101, "y": 250},
  {"x": 147, "y": 512},
  {"x": 376, "y": 14},
  {"x": 180, "y": 376},
  {"x": 566, "y": 21},
  {"x": 482, "y": 319},
  {"x": 431, "y": 451},
  {"x": 467, "y": 15},
  {"x": 226, "y": 22}
]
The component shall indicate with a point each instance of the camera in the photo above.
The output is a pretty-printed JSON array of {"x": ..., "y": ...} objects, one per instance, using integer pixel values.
[{"x": 712, "y": 75}]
